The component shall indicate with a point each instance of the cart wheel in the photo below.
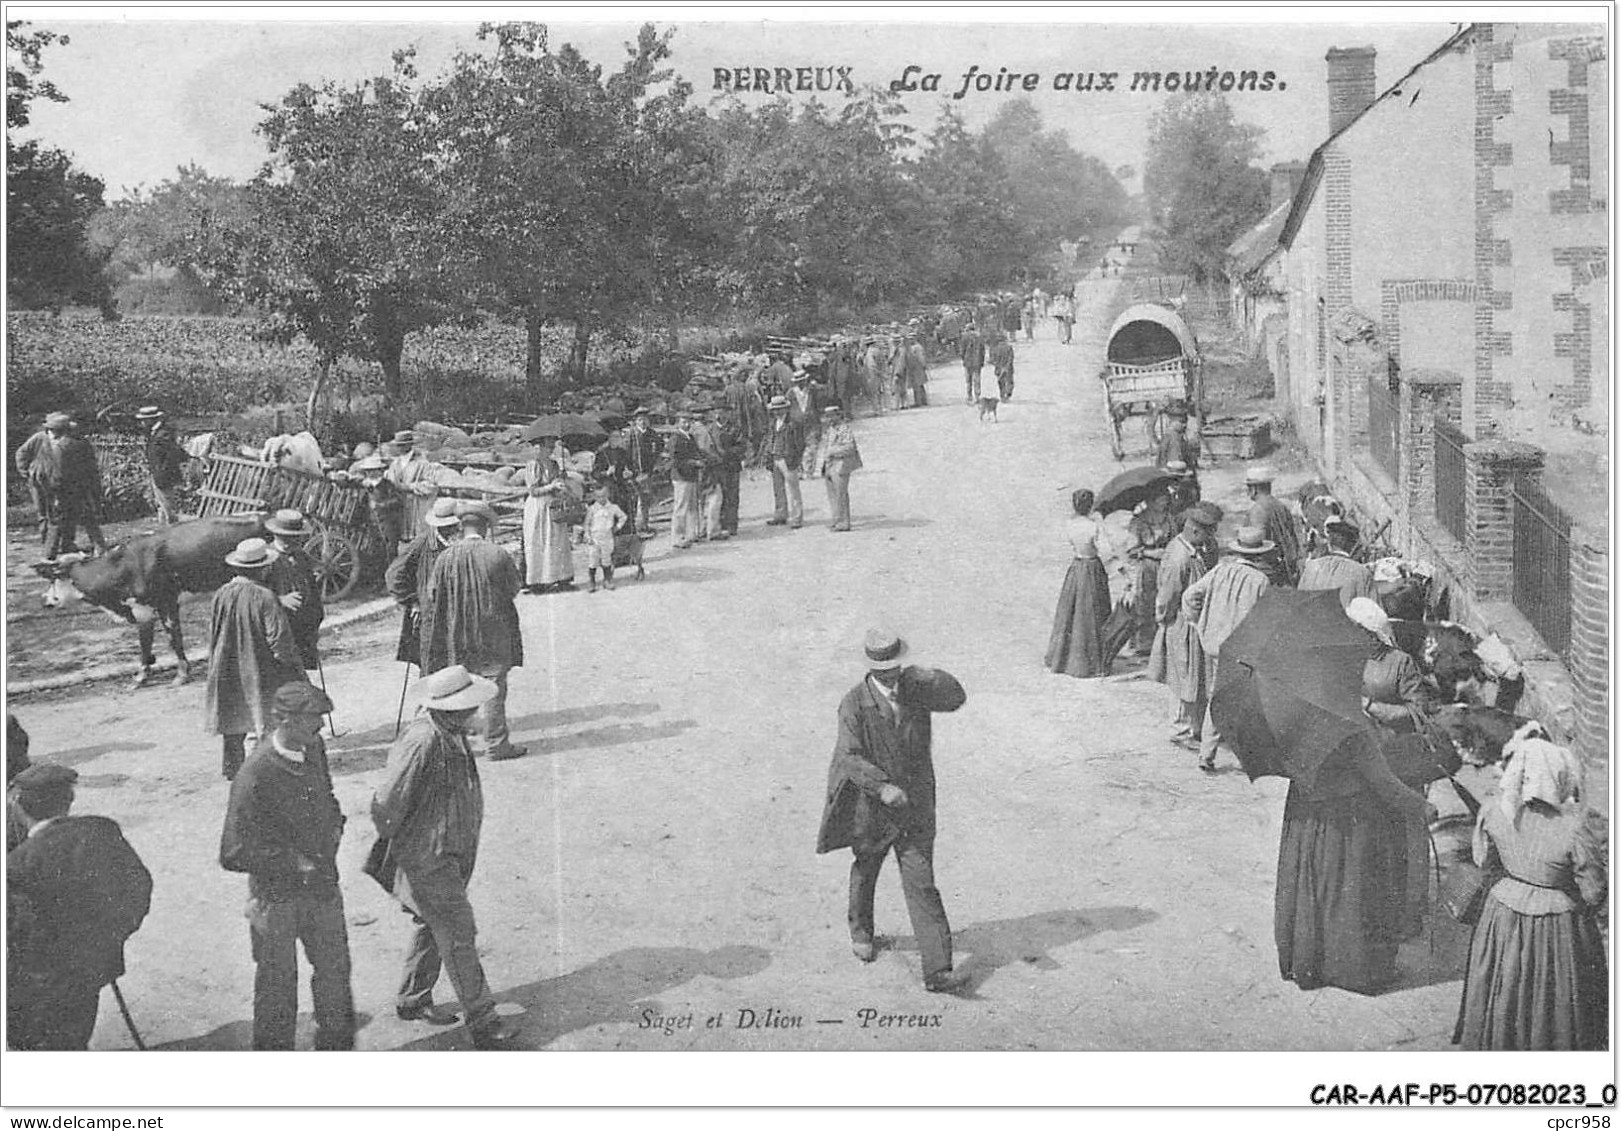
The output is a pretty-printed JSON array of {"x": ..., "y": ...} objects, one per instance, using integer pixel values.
[{"x": 337, "y": 563}]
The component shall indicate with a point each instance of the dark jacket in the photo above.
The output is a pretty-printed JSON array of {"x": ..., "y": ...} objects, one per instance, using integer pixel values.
[
  {"x": 278, "y": 811},
  {"x": 293, "y": 572},
  {"x": 872, "y": 750},
  {"x": 83, "y": 891},
  {"x": 645, "y": 449},
  {"x": 165, "y": 458},
  {"x": 973, "y": 351},
  {"x": 469, "y": 610},
  {"x": 785, "y": 444},
  {"x": 686, "y": 458},
  {"x": 406, "y": 580}
]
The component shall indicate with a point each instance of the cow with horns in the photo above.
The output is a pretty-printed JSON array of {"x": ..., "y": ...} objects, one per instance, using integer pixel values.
[{"x": 140, "y": 581}]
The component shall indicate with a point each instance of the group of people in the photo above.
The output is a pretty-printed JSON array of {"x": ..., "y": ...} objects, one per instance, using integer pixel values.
[{"x": 1352, "y": 882}]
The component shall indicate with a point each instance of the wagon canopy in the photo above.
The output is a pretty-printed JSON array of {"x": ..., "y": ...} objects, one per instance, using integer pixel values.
[{"x": 1147, "y": 334}]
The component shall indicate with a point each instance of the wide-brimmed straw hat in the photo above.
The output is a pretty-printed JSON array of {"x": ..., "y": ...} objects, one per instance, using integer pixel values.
[
  {"x": 150, "y": 412},
  {"x": 252, "y": 553},
  {"x": 778, "y": 402},
  {"x": 58, "y": 420},
  {"x": 289, "y": 524},
  {"x": 1258, "y": 475},
  {"x": 373, "y": 462},
  {"x": 884, "y": 650},
  {"x": 444, "y": 512},
  {"x": 1251, "y": 540},
  {"x": 455, "y": 689},
  {"x": 1205, "y": 514}
]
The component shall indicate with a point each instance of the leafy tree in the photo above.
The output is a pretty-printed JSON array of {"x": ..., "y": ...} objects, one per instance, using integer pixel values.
[
  {"x": 185, "y": 225},
  {"x": 1202, "y": 186},
  {"x": 49, "y": 201},
  {"x": 971, "y": 232},
  {"x": 581, "y": 196},
  {"x": 347, "y": 243}
]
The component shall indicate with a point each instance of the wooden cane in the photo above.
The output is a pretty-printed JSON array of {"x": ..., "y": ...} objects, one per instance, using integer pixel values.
[
  {"x": 128, "y": 1020},
  {"x": 399, "y": 716}
]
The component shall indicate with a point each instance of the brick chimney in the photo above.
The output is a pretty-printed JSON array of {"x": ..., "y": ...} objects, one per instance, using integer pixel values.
[
  {"x": 1286, "y": 178},
  {"x": 1350, "y": 84}
]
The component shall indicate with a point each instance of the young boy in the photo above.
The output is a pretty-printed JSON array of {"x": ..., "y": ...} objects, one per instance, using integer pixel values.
[{"x": 603, "y": 519}]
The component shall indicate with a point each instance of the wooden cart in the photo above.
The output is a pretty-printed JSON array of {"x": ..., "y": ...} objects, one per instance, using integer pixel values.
[{"x": 1153, "y": 362}]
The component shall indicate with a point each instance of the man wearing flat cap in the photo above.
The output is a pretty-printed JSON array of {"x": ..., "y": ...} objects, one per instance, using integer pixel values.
[
  {"x": 65, "y": 479},
  {"x": 1276, "y": 522},
  {"x": 165, "y": 462},
  {"x": 76, "y": 892},
  {"x": 1216, "y": 603},
  {"x": 251, "y": 653},
  {"x": 880, "y": 798},
  {"x": 429, "y": 812},
  {"x": 1336, "y": 569},
  {"x": 293, "y": 581},
  {"x": 1177, "y": 657},
  {"x": 282, "y": 827},
  {"x": 470, "y": 617}
]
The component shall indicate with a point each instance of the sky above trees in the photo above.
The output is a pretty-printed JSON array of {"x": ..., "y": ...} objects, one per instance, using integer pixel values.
[{"x": 148, "y": 97}]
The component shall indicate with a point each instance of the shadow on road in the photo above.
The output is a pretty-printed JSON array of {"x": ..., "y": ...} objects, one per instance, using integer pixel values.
[
  {"x": 882, "y": 522},
  {"x": 611, "y": 991},
  {"x": 1440, "y": 954},
  {"x": 616, "y": 734},
  {"x": 1031, "y": 938},
  {"x": 237, "y": 1036},
  {"x": 77, "y": 754},
  {"x": 659, "y": 573}
]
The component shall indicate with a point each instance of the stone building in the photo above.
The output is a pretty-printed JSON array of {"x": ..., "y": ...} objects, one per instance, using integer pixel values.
[{"x": 1446, "y": 354}]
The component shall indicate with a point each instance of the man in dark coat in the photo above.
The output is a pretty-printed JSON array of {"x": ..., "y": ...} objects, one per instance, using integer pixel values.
[
  {"x": 973, "y": 360},
  {"x": 62, "y": 471},
  {"x": 1174, "y": 445},
  {"x": 429, "y": 813},
  {"x": 76, "y": 893},
  {"x": 784, "y": 451},
  {"x": 406, "y": 578},
  {"x": 1272, "y": 515},
  {"x": 686, "y": 462},
  {"x": 880, "y": 797},
  {"x": 645, "y": 449},
  {"x": 470, "y": 618},
  {"x": 282, "y": 827},
  {"x": 1001, "y": 358},
  {"x": 165, "y": 462},
  {"x": 16, "y": 762},
  {"x": 293, "y": 581},
  {"x": 251, "y": 653}
]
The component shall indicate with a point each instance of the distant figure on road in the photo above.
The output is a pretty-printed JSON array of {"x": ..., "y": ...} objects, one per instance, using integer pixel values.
[
  {"x": 76, "y": 891},
  {"x": 1274, "y": 519},
  {"x": 429, "y": 812},
  {"x": 252, "y": 651},
  {"x": 881, "y": 797},
  {"x": 1063, "y": 309},
  {"x": 1216, "y": 603},
  {"x": 282, "y": 827},
  {"x": 972, "y": 347},
  {"x": 1002, "y": 363},
  {"x": 1076, "y": 646},
  {"x": 915, "y": 375},
  {"x": 165, "y": 462},
  {"x": 470, "y": 618},
  {"x": 875, "y": 361},
  {"x": 836, "y": 460},
  {"x": 65, "y": 480},
  {"x": 784, "y": 449}
]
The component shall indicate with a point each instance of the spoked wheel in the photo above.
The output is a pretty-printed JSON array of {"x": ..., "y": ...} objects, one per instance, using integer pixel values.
[{"x": 337, "y": 562}]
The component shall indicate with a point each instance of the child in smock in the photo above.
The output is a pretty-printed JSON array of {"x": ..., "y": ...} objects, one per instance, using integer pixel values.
[{"x": 603, "y": 520}]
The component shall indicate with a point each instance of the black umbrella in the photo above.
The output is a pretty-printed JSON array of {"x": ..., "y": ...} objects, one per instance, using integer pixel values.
[
  {"x": 570, "y": 427},
  {"x": 612, "y": 421},
  {"x": 1126, "y": 490},
  {"x": 1289, "y": 685}
]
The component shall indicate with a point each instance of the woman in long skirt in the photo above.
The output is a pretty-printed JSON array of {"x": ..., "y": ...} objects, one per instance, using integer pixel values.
[
  {"x": 547, "y": 553},
  {"x": 1338, "y": 906},
  {"x": 1537, "y": 976},
  {"x": 1076, "y": 647}
]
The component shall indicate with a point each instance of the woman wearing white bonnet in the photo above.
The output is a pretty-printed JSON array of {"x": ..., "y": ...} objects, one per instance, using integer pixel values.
[{"x": 1537, "y": 976}]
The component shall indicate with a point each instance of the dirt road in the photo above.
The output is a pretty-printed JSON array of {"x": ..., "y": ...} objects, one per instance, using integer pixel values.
[{"x": 649, "y": 866}]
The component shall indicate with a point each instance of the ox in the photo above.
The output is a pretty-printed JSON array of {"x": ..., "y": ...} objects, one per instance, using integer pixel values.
[
  {"x": 1317, "y": 506},
  {"x": 140, "y": 581}
]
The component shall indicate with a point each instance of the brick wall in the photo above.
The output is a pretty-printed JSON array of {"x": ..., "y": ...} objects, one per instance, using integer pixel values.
[
  {"x": 1590, "y": 638},
  {"x": 1491, "y": 396}
]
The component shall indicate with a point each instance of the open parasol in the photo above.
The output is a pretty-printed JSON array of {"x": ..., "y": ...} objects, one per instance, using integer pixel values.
[
  {"x": 570, "y": 427},
  {"x": 611, "y": 420},
  {"x": 1136, "y": 485},
  {"x": 1289, "y": 684}
]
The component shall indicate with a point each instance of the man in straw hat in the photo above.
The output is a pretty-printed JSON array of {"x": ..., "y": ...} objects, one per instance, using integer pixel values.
[
  {"x": 644, "y": 451},
  {"x": 470, "y": 618},
  {"x": 784, "y": 449},
  {"x": 407, "y": 576},
  {"x": 282, "y": 827},
  {"x": 293, "y": 581},
  {"x": 880, "y": 797},
  {"x": 1336, "y": 569},
  {"x": 686, "y": 476},
  {"x": 429, "y": 810},
  {"x": 413, "y": 474},
  {"x": 1177, "y": 657},
  {"x": 76, "y": 892},
  {"x": 836, "y": 460},
  {"x": 251, "y": 652},
  {"x": 1276, "y": 522},
  {"x": 1216, "y": 603},
  {"x": 165, "y": 462}
]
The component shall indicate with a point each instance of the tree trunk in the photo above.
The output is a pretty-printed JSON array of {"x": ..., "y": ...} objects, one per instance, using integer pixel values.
[
  {"x": 579, "y": 350},
  {"x": 390, "y": 350},
  {"x": 323, "y": 370},
  {"x": 534, "y": 375}
]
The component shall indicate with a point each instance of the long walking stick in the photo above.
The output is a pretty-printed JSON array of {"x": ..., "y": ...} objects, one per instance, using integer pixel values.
[
  {"x": 123, "y": 1007},
  {"x": 399, "y": 716},
  {"x": 321, "y": 671}
]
